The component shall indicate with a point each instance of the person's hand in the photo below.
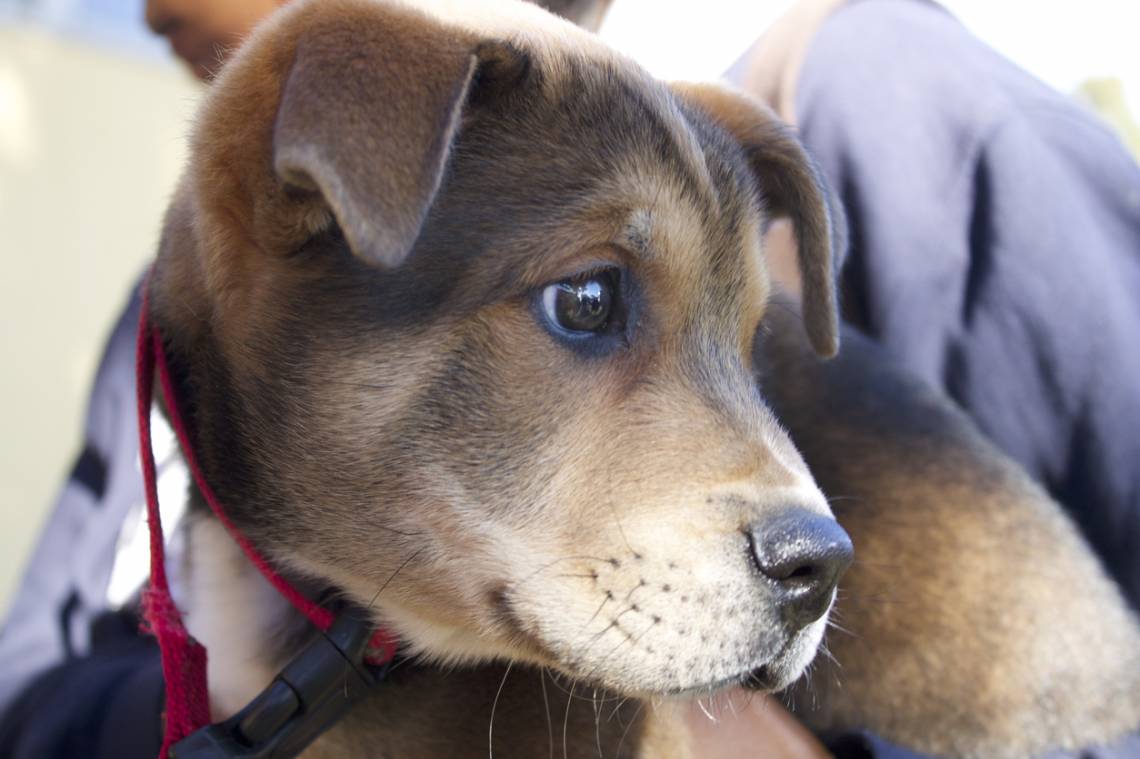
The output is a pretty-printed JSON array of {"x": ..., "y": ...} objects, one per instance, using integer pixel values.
[{"x": 747, "y": 726}]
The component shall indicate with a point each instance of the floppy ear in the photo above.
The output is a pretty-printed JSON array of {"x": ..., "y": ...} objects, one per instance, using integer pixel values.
[
  {"x": 792, "y": 187},
  {"x": 367, "y": 118},
  {"x": 347, "y": 107}
]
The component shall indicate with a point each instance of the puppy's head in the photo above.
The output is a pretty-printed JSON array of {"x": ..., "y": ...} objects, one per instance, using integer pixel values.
[{"x": 463, "y": 312}]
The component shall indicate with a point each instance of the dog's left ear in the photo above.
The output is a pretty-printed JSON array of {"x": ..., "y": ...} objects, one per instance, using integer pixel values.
[
  {"x": 792, "y": 187},
  {"x": 368, "y": 115},
  {"x": 337, "y": 112}
]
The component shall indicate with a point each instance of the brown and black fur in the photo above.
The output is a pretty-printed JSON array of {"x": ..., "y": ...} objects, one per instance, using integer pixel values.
[
  {"x": 975, "y": 621},
  {"x": 346, "y": 286}
]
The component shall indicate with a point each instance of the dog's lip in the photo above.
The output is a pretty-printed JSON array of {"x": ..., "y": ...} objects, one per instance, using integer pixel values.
[
  {"x": 765, "y": 678},
  {"x": 742, "y": 678},
  {"x": 759, "y": 679}
]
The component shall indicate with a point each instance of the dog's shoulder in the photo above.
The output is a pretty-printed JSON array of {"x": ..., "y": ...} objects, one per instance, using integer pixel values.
[{"x": 975, "y": 620}]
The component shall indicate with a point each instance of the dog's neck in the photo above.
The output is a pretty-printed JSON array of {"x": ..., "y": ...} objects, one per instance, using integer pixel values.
[
  {"x": 250, "y": 632},
  {"x": 234, "y": 611}
]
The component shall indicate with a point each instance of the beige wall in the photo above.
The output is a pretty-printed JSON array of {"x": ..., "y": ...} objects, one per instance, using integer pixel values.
[{"x": 90, "y": 147}]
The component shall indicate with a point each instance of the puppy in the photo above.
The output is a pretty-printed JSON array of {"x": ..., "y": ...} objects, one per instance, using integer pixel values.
[{"x": 461, "y": 306}]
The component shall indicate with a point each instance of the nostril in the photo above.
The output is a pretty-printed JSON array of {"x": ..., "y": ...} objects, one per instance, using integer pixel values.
[
  {"x": 803, "y": 555},
  {"x": 807, "y": 570},
  {"x": 783, "y": 568}
]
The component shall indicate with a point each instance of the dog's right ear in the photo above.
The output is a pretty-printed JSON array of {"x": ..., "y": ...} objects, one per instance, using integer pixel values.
[
  {"x": 368, "y": 115},
  {"x": 792, "y": 187}
]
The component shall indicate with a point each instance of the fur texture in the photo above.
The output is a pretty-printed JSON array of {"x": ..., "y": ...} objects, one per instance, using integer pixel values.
[
  {"x": 975, "y": 621},
  {"x": 350, "y": 286}
]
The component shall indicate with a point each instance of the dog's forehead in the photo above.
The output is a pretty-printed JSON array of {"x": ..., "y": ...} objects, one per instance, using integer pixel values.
[
  {"x": 586, "y": 151},
  {"x": 589, "y": 89},
  {"x": 595, "y": 152}
]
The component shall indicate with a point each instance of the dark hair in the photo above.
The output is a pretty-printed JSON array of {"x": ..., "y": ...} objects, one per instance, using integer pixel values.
[{"x": 585, "y": 13}]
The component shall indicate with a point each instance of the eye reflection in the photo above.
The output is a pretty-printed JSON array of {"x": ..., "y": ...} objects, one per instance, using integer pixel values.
[{"x": 582, "y": 304}]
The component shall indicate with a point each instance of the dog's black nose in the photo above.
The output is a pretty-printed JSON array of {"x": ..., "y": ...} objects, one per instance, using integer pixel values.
[{"x": 803, "y": 554}]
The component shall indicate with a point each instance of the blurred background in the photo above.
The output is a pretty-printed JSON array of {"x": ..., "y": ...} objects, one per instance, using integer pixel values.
[{"x": 94, "y": 111}]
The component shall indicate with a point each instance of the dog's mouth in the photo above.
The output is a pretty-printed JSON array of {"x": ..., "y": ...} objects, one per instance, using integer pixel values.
[
  {"x": 767, "y": 678},
  {"x": 773, "y": 675},
  {"x": 704, "y": 690},
  {"x": 649, "y": 624},
  {"x": 762, "y": 679},
  {"x": 789, "y": 654},
  {"x": 789, "y": 663}
]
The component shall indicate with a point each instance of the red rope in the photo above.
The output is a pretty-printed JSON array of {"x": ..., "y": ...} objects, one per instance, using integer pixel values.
[{"x": 183, "y": 658}]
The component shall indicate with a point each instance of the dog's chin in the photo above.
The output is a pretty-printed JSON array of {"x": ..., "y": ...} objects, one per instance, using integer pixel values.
[{"x": 775, "y": 673}]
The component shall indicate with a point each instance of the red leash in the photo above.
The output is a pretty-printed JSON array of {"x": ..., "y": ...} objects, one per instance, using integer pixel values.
[{"x": 183, "y": 658}]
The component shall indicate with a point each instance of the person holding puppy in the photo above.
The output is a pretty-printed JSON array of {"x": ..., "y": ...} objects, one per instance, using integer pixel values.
[{"x": 943, "y": 243}]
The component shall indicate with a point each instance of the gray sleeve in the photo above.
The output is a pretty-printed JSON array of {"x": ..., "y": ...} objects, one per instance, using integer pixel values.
[
  {"x": 994, "y": 248},
  {"x": 64, "y": 584}
]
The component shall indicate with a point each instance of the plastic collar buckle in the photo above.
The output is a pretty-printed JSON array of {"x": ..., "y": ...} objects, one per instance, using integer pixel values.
[{"x": 309, "y": 696}]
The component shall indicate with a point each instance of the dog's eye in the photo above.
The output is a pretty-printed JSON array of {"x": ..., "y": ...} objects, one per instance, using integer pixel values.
[{"x": 581, "y": 304}]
